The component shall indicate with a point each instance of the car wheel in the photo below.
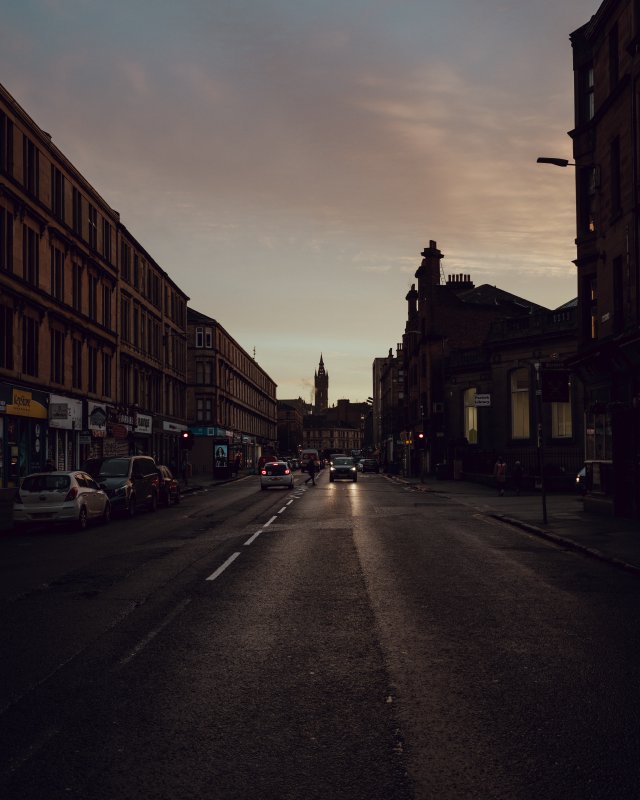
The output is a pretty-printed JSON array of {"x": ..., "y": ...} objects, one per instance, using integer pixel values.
[
  {"x": 82, "y": 519},
  {"x": 330, "y": 480},
  {"x": 106, "y": 514},
  {"x": 153, "y": 505},
  {"x": 131, "y": 507},
  {"x": 355, "y": 480}
]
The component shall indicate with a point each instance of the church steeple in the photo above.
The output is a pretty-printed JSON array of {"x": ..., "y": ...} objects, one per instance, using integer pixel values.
[{"x": 321, "y": 384}]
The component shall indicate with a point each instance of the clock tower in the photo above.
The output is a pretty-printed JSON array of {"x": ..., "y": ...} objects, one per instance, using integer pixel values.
[{"x": 321, "y": 394}]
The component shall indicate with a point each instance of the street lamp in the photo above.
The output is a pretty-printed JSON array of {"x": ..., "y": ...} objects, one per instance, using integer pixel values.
[{"x": 557, "y": 162}]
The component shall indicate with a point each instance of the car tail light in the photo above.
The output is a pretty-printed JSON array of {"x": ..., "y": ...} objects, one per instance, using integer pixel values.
[
  {"x": 287, "y": 472},
  {"x": 71, "y": 494},
  {"x": 263, "y": 471}
]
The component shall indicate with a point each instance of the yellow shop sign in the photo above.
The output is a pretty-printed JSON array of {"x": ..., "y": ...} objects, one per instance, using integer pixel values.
[{"x": 23, "y": 405}]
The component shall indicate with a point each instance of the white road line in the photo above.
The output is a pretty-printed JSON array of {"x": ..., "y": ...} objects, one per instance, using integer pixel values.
[
  {"x": 284, "y": 508},
  {"x": 289, "y": 502},
  {"x": 270, "y": 521},
  {"x": 252, "y": 538},
  {"x": 152, "y": 635},
  {"x": 222, "y": 567}
]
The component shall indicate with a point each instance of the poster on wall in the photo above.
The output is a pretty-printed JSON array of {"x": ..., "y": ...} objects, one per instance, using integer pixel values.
[{"x": 221, "y": 453}]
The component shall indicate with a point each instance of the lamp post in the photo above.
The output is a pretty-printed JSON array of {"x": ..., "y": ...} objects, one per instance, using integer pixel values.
[
  {"x": 557, "y": 162},
  {"x": 540, "y": 440}
]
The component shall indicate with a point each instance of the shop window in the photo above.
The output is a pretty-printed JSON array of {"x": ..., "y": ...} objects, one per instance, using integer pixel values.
[
  {"x": 470, "y": 416},
  {"x": 520, "y": 403},
  {"x": 598, "y": 437},
  {"x": 561, "y": 421}
]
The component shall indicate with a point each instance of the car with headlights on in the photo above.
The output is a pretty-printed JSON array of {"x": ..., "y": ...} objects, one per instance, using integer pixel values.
[
  {"x": 55, "y": 497},
  {"x": 369, "y": 465},
  {"x": 343, "y": 467},
  {"x": 276, "y": 473}
]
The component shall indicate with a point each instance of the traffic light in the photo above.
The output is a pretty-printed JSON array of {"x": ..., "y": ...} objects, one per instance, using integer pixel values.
[
  {"x": 187, "y": 440},
  {"x": 420, "y": 440}
]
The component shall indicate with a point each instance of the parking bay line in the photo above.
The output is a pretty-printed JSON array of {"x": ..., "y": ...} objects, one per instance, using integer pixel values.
[{"x": 152, "y": 634}]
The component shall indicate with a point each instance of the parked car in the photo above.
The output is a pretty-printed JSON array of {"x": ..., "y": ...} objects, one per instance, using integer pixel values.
[
  {"x": 129, "y": 482},
  {"x": 276, "y": 473},
  {"x": 169, "y": 487},
  {"x": 343, "y": 467},
  {"x": 54, "y": 497},
  {"x": 369, "y": 465}
]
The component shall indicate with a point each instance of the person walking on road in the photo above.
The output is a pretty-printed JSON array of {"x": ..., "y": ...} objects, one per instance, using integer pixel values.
[
  {"x": 500, "y": 474},
  {"x": 311, "y": 469}
]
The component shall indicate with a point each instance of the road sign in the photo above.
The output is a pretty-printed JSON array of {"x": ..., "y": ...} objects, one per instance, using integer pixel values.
[{"x": 482, "y": 400}]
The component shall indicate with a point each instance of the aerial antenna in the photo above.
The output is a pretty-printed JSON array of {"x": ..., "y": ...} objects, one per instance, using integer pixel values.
[{"x": 254, "y": 352}]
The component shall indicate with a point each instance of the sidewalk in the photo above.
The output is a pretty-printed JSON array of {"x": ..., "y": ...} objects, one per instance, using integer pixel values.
[{"x": 610, "y": 539}]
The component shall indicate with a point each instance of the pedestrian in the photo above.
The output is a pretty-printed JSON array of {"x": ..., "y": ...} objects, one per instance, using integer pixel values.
[
  {"x": 516, "y": 476},
  {"x": 236, "y": 465},
  {"x": 312, "y": 468},
  {"x": 500, "y": 474},
  {"x": 186, "y": 470}
]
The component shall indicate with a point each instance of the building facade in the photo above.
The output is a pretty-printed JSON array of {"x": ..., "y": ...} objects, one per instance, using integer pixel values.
[
  {"x": 606, "y": 149},
  {"x": 231, "y": 400},
  {"x": 73, "y": 383}
]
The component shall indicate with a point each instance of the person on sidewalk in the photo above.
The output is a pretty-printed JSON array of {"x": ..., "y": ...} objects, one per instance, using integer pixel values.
[
  {"x": 312, "y": 468},
  {"x": 500, "y": 474},
  {"x": 516, "y": 476}
]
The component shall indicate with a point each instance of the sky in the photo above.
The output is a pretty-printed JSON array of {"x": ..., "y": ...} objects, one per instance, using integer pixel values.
[{"x": 287, "y": 161}]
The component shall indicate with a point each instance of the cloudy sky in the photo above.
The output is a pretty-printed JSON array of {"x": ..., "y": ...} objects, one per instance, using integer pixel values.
[{"x": 286, "y": 161}]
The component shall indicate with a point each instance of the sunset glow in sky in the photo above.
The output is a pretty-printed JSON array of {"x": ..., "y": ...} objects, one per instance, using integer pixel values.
[{"x": 286, "y": 161}]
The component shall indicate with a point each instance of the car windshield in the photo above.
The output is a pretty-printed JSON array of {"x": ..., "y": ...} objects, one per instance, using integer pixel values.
[
  {"x": 343, "y": 462},
  {"x": 115, "y": 468},
  {"x": 46, "y": 483}
]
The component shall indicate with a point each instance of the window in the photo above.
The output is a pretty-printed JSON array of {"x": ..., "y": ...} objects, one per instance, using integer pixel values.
[
  {"x": 592, "y": 307},
  {"x": 57, "y": 273},
  {"x": 6, "y": 144},
  {"x": 76, "y": 363},
  {"x": 598, "y": 436},
  {"x": 136, "y": 326},
  {"x": 204, "y": 372},
  {"x": 561, "y": 425},
  {"x": 618, "y": 295},
  {"x": 93, "y": 296},
  {"x": 470, "y": 416},
  {"x": 614, "y": 166},
  {"x": 614, "y": 57},
  {"x": 76, "y": 211},
  {"x": 125, "y": 322},
  {"x": 136, "y": 270},
  {"x": 93, "y": 227},
  {"x": 125, "y": 262},
  {"x": 93, "y": 369},
  {"x": 106, "y": 375},
  {"x": 588, "y": 181},
  {"x": 6, "y": 337},
  {"x": 30, "y": 166},
  {"x": 106, "y": 241},
  {"x": 30, "y": 346},
  {"x": 6, "y": 240},
  {"x": 76, "y": 277},
  {"x": 106, "y": 306},
  {"x": 125, "y": 382},
  {"x": 31, "y": 255},
  {"x": 203, "y": 409},
  {"x": 588, "y": 105},
  {"x": 199, "y": 337},
  {"x": 57, "y": 193},
  {"x": 520, "y": 380},
  {"x": 57, "y": 356}
]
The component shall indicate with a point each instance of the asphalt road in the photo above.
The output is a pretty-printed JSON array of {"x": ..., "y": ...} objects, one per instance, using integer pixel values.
[{"x": 339, "y": 641}]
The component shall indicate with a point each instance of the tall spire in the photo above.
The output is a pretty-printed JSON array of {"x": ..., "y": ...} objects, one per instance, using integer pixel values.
[{"x": 321, "y": 382}]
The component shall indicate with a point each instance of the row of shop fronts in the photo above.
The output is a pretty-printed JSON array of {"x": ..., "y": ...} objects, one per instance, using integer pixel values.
[
  {"x": 217, "y": 449},
  {"x": 40, "y": 430}
]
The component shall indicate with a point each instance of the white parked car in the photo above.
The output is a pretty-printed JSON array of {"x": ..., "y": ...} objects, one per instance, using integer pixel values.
[
  {"x": 276, "y": 473},
  {"x": 51, "y": 497}
]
